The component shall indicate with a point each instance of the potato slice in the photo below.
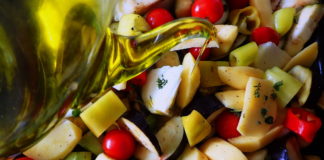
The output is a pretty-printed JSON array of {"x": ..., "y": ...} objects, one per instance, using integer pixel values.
[
  {"x": 259, "y": 109},
  {"x": 226, "y": 35},
  {"x": 233, "y": 99},
  {"x": 219, "y": 149},
  {"x": 132, "y": 25},
  {"x": 103, "y": 113},
  {"x": 190, "y": 80},
  {"x": 168, "y": 59},
  {"x": 306, "y": 57},
  {"x": 183, "y": 8},
  {"x": 257, "y": 155},
  {"x": 103, "y": 156},
  {"x": 192, "y": 154},
  {"x": 58, "y": 143},
  {"x": 194, "y": 42},
  {"x": 265, "y": 11},
  {"x": 238, "y": 76},
  {"x": 209, "y": 73},
  {"x": 254, "y": 143}
]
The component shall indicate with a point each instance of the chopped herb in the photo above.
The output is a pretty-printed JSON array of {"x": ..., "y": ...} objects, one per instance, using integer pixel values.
[
  {"x": 273, "y": 95},
  {"x": 266, "y": 98},
  {"x": 161, "y": 82},
  {"x": 268, "y": 120},
  {"x": 76, "y": 112},
  {"x": 277, "y": 85},
  {"x": 264, "y": 112},
  {"x": 257, "y": 90}
]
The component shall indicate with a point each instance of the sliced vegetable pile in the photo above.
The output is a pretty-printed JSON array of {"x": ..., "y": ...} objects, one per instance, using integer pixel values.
[{"x": 244, "y": 99}]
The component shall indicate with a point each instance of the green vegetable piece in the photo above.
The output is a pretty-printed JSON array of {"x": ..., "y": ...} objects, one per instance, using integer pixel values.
[
  {"x": 91, "y": 143},
  {"x": 244, "y": 55},
  {"x": 290, "y": 85},
  {"x": 284, "y": 19},
  {"x": 78, "y": 156}
]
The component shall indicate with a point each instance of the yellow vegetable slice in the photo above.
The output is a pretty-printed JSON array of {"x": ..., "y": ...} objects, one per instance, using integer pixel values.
[
  {"x": 103, "y": 113},
  {"x": 219, "y": 149},
  {"x": 196, "y": 127},
  {"x": 209, "y": 73},
  {"x": 238, "y": 76},
  {"x": 247, "y": 19},
  {"x": 233, "y": 99},
  {"x": 259, "y": 109},
  {"x": 265, "y": 11},
  {"x": 58, "y": 143},
  {"x": 304, "y": 75},
  {"x": 306, "y": 57},
  {"x": 254, "y": 143}
]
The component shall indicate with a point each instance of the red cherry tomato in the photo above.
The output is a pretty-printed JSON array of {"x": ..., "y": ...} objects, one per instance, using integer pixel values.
[
  {"x": 226, "y": 124},
  {"x": 195, "y": 53},
  {"x": 119, "y": 144},
  {"x": 237, "y": 4},
  {"x": 158, "y": 16},
  {"x": 212, "y": 10},
  {"x": 265, "y": 34},
  {"x": 140, "y": 79}
]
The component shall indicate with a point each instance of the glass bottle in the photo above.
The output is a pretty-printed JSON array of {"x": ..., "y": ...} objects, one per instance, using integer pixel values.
[{"x": 55, "y": 54}]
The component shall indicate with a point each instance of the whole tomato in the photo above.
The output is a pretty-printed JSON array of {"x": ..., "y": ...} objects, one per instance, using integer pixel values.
[
  {"x": 265, "y": 34},
  {"x": 118, "y": 144},
  {"x": 158, "y": 16},
  {"x": 195, "y": 53},
  {"x": 226, "y": 125},
  {"x": 212, "y": 10}
]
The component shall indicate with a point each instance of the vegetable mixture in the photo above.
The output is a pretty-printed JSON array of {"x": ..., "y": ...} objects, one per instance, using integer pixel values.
[{"x": 242, "y": 98}]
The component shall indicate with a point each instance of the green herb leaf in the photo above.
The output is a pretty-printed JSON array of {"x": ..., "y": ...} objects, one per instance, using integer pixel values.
[
  {"x": 273, "y": 95},
  {"x": 268, "y": 120},
  {"x": 257, "y": 90},
  {"x": 264, "y": 112},
  {"x": 76, "y": 112},
  {"x": 161, "y": 82},
  {"x": 277, "y": 85}
]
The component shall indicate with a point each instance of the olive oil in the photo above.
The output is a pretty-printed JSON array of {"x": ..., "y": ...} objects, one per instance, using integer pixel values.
[{"x": 59, "y": 54}]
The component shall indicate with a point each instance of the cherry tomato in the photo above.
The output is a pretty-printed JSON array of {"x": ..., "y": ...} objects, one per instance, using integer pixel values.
[
  {"x": 158, "y": 16},
  {"x": 119, "y": 144},
  {"x": 212, "y": 10},
  {"x": 140, "y": 79},
  {"x": 237, "y": 4},
  {"x": 226, "y": 124},
  {"x": 265, "y": 34},
  {"x": 195, "y": 53}
]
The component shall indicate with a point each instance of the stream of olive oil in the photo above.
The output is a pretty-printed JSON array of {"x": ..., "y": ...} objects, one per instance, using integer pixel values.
[{"x": 49, "y": 62}]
